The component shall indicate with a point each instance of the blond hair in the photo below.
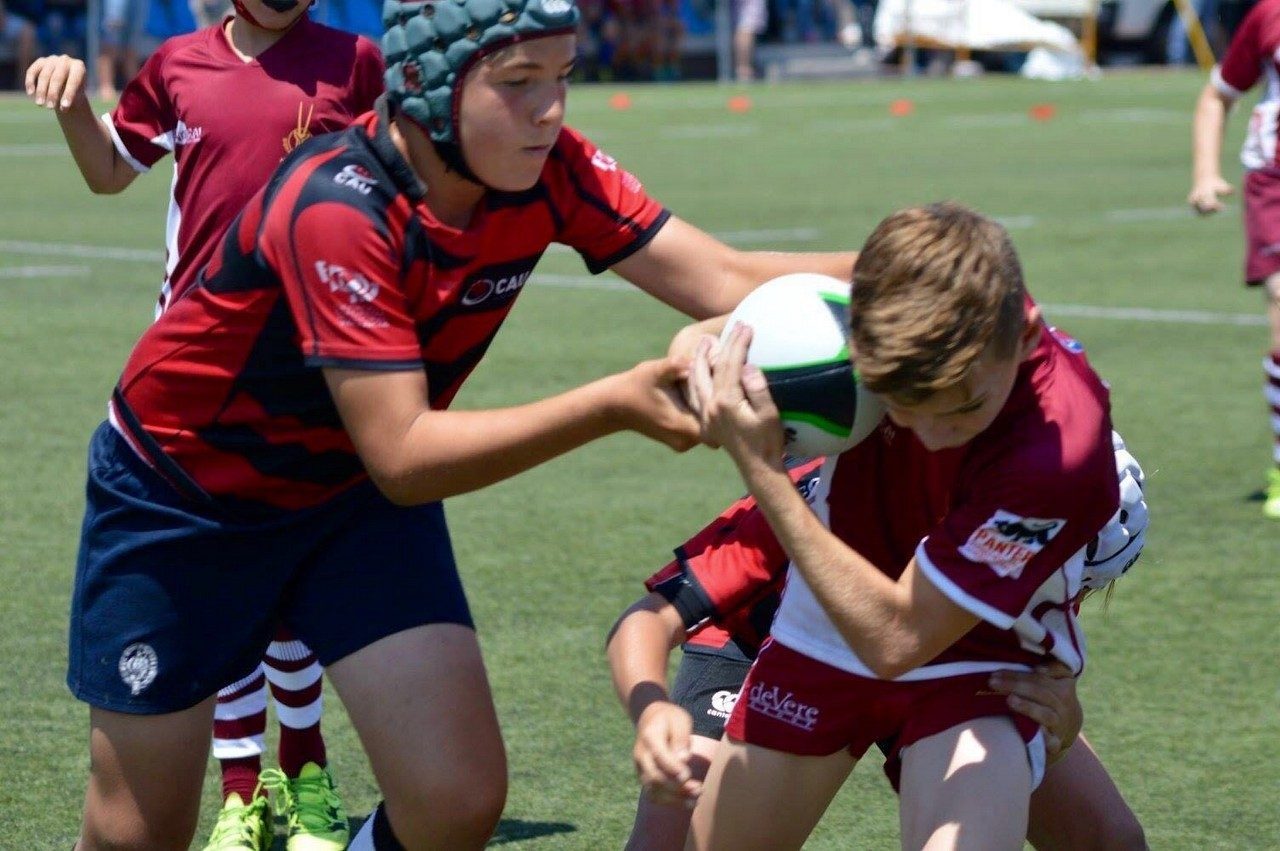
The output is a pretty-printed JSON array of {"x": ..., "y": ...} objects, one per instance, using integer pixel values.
[{"x": 933, "y": 289}]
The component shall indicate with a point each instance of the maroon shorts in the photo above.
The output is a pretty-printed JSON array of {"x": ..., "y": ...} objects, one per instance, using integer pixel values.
[
  {"x": 1261, "y": 226},
  {"x": 795, "y": 704}
]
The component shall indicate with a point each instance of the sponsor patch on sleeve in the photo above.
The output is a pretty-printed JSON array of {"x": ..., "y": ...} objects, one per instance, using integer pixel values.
[{"x": 1006, "y": 542}]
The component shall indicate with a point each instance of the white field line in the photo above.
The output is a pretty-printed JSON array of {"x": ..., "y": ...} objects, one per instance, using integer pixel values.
[
  {"x": 1126, "y": 314},
  {"x": 85, "y": 252},
  {"x": 33, "y": 150},
  {"x": 16, "y": 272}
]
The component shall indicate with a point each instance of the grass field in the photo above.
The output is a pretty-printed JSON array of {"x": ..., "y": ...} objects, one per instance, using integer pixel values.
[{"x": 1181, "y": 692}]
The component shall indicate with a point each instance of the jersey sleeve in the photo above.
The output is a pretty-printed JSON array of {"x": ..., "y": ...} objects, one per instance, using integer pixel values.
[
  {"x": 341, "y": 276},
  {"x": 367, "y": 83},
  {"x": 730, "y": 564},
  {"x": 1244, "y": 60},
  {"x": 144, "y": 123},
  {"x": 1002, "y": 540},
  {"x": 604, "y": 212}
]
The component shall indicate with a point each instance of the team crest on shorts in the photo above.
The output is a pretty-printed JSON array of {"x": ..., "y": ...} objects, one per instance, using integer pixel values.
[
  {"x": 138, "y": 666},
  {"x": 1007, "y": 541}
]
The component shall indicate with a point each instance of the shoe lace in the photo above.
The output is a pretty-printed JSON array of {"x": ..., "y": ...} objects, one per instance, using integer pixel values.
[
  {"x": 236, "y": 824},
  {"x": 309, "y": 803}
]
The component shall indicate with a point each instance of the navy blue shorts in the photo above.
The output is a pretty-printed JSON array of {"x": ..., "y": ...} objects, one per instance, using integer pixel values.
[{"x": 172, "y": 602}]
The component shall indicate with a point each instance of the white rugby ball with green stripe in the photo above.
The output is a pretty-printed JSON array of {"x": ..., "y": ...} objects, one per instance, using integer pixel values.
[{"x": 801, "y": 344}]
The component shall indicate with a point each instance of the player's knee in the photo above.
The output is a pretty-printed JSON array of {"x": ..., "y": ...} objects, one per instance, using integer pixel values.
[{"x": 456, "y": 815}]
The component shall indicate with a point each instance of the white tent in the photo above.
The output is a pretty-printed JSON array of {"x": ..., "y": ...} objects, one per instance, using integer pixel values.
[{"x": 971, "y": 24}]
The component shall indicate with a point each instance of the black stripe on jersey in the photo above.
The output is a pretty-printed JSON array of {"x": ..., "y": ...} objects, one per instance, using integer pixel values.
[
  {"x": 594, "y": 200},
  {"x": 289, "y": 461},
  {"x": 442, "y": 376},
  {"x": 165, "y": 466},
  {"x": 275, "y": 376},
  {"x": 239, "y": 272},
  {"x": 646, "y": 236},
  {"x": 356, "y": 363},
  {"x": 686, "y": 593},
  {"x": 418, "y": 245},
  {"x": 536, "y": 194}
]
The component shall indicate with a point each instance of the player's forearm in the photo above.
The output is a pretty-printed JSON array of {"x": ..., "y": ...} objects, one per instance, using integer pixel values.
[
  {"x": 446, "y": 453},
  {"x": 93, "y": 149},
  {"x": 1206, "y": 134},
  {"x": 638, "y": 651},
  {"x": 872, "y": 612}
]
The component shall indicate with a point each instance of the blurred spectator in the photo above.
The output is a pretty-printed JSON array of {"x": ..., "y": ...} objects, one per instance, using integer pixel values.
[
  {"x": 668, "y": 34},
  {"x": 62, "y": 27},
  {"x": 17, "y": 40},
  {"x": 751, "y": 17},
  {"x": 119, "y": 56},
  {"x": 1178, "y": 49},
  {"x": 597, "y": 40},
  {"x": 208, "y": 12}
]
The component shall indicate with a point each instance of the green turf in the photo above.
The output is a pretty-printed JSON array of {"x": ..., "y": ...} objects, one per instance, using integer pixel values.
[{"x": 1181, "y": 692}]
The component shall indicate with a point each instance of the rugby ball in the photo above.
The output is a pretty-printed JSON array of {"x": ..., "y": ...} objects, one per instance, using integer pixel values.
[{"x": 801, "y": 344}]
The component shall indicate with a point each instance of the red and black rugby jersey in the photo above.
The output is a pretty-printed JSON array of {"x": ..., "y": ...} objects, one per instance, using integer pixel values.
[{"x": 337, "y": 262}]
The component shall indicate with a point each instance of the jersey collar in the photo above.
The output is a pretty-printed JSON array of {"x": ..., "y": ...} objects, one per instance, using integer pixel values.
[{"x": 406, "y": 179}]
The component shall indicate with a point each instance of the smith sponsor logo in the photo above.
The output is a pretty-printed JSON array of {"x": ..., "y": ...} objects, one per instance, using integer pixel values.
[
  {"x": 356, "y": 293},
  {"x": 484, "y": 289},
  {"x": 357, "y": 177},
  {"x": 773, "y": 702},
  {"x": 1007, "y": 541},
  {"x": 357, "y": 287}
]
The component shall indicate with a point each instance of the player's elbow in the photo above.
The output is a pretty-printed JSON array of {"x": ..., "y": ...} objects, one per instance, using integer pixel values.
[
  {"x": 399, "y": 484},
  {"x": 104, "y": 187},
  {"x": 888, "y": 661}
]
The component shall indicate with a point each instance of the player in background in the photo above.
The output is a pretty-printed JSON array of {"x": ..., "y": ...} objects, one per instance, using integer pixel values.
[
  {"x": 718, "y": 597},
  {"x": 308, "y": 442},
  {"x": 229, "y": 102},
  {"x": 1251, "y": 56},
  {"x": 946, "y": 546}
]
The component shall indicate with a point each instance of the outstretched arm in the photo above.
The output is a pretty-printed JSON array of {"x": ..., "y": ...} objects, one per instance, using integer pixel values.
[
  {"x": 57, "y": 83},
  {"x": 702, "y": 277},
  {"x": 415, "y": 454}
]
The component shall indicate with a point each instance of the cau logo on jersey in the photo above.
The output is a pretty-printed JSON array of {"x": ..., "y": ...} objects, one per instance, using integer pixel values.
[
  {"x": 496, "y": 285},
  {"x": 357, "y": 177}
]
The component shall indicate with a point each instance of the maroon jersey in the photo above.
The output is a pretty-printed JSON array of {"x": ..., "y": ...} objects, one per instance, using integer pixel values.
[
  {"x": 726, "y": 580},
  {"x": 339, "y": 263},
  {"x": 999, "y": 525},
  {"x": 1252, "y": 56},
  {"x": 228, "y": 123}
]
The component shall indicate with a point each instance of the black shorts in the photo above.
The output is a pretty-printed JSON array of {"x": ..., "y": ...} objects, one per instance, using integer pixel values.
[{"x": 706, "y": 686}]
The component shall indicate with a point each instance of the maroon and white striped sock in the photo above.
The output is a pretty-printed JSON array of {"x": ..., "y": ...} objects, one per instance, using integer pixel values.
[
  {"x": 293, "y": 674},
  {"x": 239, "y": 722}
]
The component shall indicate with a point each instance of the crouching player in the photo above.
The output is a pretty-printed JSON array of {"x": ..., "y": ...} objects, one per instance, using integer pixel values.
[
  {"x": 719, "y": 596},
  {"x": 948, "y": 545}
]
